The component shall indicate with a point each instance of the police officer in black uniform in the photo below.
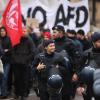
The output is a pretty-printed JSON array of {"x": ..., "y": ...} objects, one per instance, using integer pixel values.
[
  {"x": 95, "y": 53},
  {"x": 91, "y": 75},
  {"x": 62, "y": 43},
  {"x": 42, "y": 64},
  {"x": 68, "y": 48}
]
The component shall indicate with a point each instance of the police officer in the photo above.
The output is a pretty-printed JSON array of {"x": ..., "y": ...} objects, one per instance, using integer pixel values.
[
  {"x": 72, "y": 35},
  {"x": 95, "y": 62},
  {"x": 68, "y": 45},
  {"x": 92, "y": 77},
  {"x": 81, "y": 37},
  {"x": 62, "y": 43},
  {"x": 42, "y": 64}
]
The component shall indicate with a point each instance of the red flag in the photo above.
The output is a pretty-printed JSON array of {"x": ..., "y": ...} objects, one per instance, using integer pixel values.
[{"x": 12, "y": 21}]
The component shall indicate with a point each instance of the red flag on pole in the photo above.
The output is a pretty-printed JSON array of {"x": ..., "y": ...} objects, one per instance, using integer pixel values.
[{"x": 12, "y": 21}]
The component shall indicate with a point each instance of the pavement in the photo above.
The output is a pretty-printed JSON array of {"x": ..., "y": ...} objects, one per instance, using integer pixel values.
[{"x": 32, "y": 96}]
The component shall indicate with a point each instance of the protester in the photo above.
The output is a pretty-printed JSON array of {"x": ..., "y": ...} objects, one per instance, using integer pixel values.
[
  {"x": 46, "y": 36},
  {"x": 21, "y": 58},
  {"x": 5, "y": 57}
]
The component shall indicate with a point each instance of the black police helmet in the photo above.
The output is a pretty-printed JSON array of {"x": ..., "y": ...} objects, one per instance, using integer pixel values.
[
  {"x": 55, "y": 81},
  {"x": 96, "y": 87},
  {"x": 86, "y": 74}
]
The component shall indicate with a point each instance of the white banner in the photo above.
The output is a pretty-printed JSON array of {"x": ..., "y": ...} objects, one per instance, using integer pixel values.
[{"x": 70, "y": 15}]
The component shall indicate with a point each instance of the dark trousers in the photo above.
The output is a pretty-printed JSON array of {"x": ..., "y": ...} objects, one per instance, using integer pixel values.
[
  {"x": 66, "y": 91},
  {"x": 44, "y": 95},
  {"x": 10, "y": 80},
  {"x": 21, "y": 79},
  {"x": 66, "y": 97},
  {"x": 87, "y": 97},
  {"x": 97, "y": 98}
]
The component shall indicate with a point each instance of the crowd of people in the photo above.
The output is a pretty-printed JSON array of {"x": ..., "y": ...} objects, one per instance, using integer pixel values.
[{"x": 27, "y": 64}]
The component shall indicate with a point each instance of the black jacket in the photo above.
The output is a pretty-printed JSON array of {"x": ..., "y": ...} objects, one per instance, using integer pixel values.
[
  {"x": 48, "y": 60},
  {"x": 69, "y": 46},
  {"x": 93, "y": 57},
  {"x": 5, "y": 43},
  {"x": 24, "y": 52},
  {"x": 86, "y": 44}
]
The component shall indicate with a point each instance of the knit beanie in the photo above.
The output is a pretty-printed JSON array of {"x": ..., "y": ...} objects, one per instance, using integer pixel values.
[
  {"x": 47, "y": 34},
  {"x": 47, "y": 42},
  {"x": 95, "y": 37}
]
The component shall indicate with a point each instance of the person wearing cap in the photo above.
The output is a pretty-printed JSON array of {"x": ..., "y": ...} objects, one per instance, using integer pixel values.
[
  {"x": 46, "y": 35},
  {"x": 61, "y": 42},
  {"x": 96, "y": 57},
  {"x": 58, "y": 31},
  {"x": 81, "y": 37},
  {"x": 93, "y": 60},
  {"x": 67, "y": 45},
  {"x": 42, "y": 63}
]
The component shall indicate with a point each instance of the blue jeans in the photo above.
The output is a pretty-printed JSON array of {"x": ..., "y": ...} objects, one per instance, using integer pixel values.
[{"x": 4, "y": 82}]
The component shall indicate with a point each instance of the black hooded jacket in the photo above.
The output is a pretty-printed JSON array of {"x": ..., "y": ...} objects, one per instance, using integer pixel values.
[
  {"x": 24, "y": 52},
  {"x": 5, "y": 44},
  {"x": 49, "y": 60}
]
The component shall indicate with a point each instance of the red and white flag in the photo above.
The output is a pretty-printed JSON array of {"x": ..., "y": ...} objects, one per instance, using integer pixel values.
[{"x": 12, "y": 21}]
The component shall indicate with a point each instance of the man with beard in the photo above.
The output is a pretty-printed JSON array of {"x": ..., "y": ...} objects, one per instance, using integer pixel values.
[{"x": 68, "y": 49}]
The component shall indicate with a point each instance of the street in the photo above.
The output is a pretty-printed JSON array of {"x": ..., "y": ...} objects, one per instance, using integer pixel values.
[{"x": 32, "y": 96}]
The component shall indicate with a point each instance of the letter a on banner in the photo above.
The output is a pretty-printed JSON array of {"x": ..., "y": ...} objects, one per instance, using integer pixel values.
[{"x": 12, "y": 21}]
